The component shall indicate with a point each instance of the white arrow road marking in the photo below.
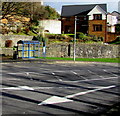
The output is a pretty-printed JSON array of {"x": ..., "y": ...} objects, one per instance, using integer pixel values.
[
  {"x": 54, "y": 100},
  {"x": 57, "y": 99}
]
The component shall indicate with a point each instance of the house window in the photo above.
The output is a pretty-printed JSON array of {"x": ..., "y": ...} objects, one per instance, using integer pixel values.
[
  {"x": 67, "y": 29},
  {"x": 97, "y": 27},
  {"x": 97, "y": 16},
  {"x": 68, "y": 19}
]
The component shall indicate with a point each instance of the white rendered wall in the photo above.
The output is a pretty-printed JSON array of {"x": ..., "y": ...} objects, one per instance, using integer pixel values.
[
  {"x": 111, "y": 20},
  {"x": 96, "y": 10},
  {"x": 53, "y": 26}
]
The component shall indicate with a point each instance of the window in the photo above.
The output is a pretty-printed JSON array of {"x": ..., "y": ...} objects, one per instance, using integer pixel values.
[
  {"x": 67, "y": 29},
  {"x": 97, "y": 27},
  {"x": 97, "y": 16},
  {"x": 68, "y": 19}
]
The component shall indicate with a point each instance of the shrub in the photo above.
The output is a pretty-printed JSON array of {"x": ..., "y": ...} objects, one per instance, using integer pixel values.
[
  {"x": 18, "y": 29},
  {"x": 27, "y": 30}
]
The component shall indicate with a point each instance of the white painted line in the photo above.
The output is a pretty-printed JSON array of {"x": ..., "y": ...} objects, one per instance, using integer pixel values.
[
  {"x": 95, "y": 73},
  {"x": 89, "y": 91},
  {"x": 26, "y": 88},
  {"x": 104, "y": 70},
  {"x": 79, "y": 75},
  {"x": 97, "y": 79},
  {"x": 18, "y": 88},
  {"x": 23, "y": 73},
  {"x": 110, "y": 72},
  {"x": 15, "y": 73},
  {"x": 11, "y": 88},
  {"x": 101, "y": 76},
  {"x": 56, "y": 77},
  {"x": 91, "y": 72},
  {"x": 53, "y": 73},
  {"x": 32, "y": 88},
  {"x": 74, "y": 72},
  {"x": 57, "y": 99},
  {"x": 11, "y": 79}
]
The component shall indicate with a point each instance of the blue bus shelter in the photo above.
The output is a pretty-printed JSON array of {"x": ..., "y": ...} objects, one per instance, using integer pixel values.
[{"x": 28, "y": 49}]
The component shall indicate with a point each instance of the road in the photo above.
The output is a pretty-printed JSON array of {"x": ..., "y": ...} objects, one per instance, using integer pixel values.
[{"x": 81, "y": 89}]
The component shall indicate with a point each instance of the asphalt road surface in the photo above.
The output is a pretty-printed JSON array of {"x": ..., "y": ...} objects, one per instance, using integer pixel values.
[{"x": 51, "y": 89}]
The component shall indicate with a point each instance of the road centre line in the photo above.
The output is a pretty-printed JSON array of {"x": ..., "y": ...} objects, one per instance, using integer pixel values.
[{"x": 57, "y": 99}]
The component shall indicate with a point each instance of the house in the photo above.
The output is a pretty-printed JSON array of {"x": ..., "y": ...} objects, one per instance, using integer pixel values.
[
  {"x": 113, "y": 19},
  {"x": 111, "y": 27},
  {"x": 117, "y": 14},
  {"x": 91, "y": 19}
]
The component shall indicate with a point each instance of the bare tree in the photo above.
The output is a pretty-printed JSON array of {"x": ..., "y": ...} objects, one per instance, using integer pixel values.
[{"x": 12, "y": 8}]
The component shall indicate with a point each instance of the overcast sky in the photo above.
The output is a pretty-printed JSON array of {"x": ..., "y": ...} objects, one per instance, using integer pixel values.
[{"x": 112, "y": 5}]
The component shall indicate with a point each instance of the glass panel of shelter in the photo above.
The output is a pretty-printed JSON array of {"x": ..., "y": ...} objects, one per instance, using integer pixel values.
[{"x": 28, "y": 49}]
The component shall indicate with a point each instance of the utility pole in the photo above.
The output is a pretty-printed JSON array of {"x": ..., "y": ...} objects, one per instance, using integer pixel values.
[{"x": 74, "y": 42}]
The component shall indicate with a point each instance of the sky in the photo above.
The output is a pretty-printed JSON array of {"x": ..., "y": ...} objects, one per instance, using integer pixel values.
[{"x": 112, "y": 5}]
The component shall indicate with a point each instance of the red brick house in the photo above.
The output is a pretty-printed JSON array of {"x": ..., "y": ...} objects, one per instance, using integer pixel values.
[{"x": 91, "y": 19}]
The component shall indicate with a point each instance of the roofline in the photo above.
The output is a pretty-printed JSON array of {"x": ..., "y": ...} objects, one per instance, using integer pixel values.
[
  {"x": 82, "y": 5},
  {"x": 116, "y": 12}
]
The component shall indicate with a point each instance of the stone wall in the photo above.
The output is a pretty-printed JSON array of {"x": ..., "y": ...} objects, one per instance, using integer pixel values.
[
  {"x": 6, "y": 51},
  {"x": 14, "y": 38},
  {"x": 82, "y": 50}
]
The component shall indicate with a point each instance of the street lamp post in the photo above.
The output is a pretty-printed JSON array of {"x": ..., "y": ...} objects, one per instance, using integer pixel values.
[{"x": 74, "y": 42}]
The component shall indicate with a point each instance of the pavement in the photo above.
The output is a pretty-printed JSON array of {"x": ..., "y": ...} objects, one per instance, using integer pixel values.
[
  {"x": 45, "y": 87},
  {"x": 35, "y": 60}
]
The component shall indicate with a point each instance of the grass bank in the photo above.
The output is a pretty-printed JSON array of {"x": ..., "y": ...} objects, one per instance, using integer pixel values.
[{"x": 111, "y": 60}]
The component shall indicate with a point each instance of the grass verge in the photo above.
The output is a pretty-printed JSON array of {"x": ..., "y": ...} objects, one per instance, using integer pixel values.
[{"x": 111, "y": 60}]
